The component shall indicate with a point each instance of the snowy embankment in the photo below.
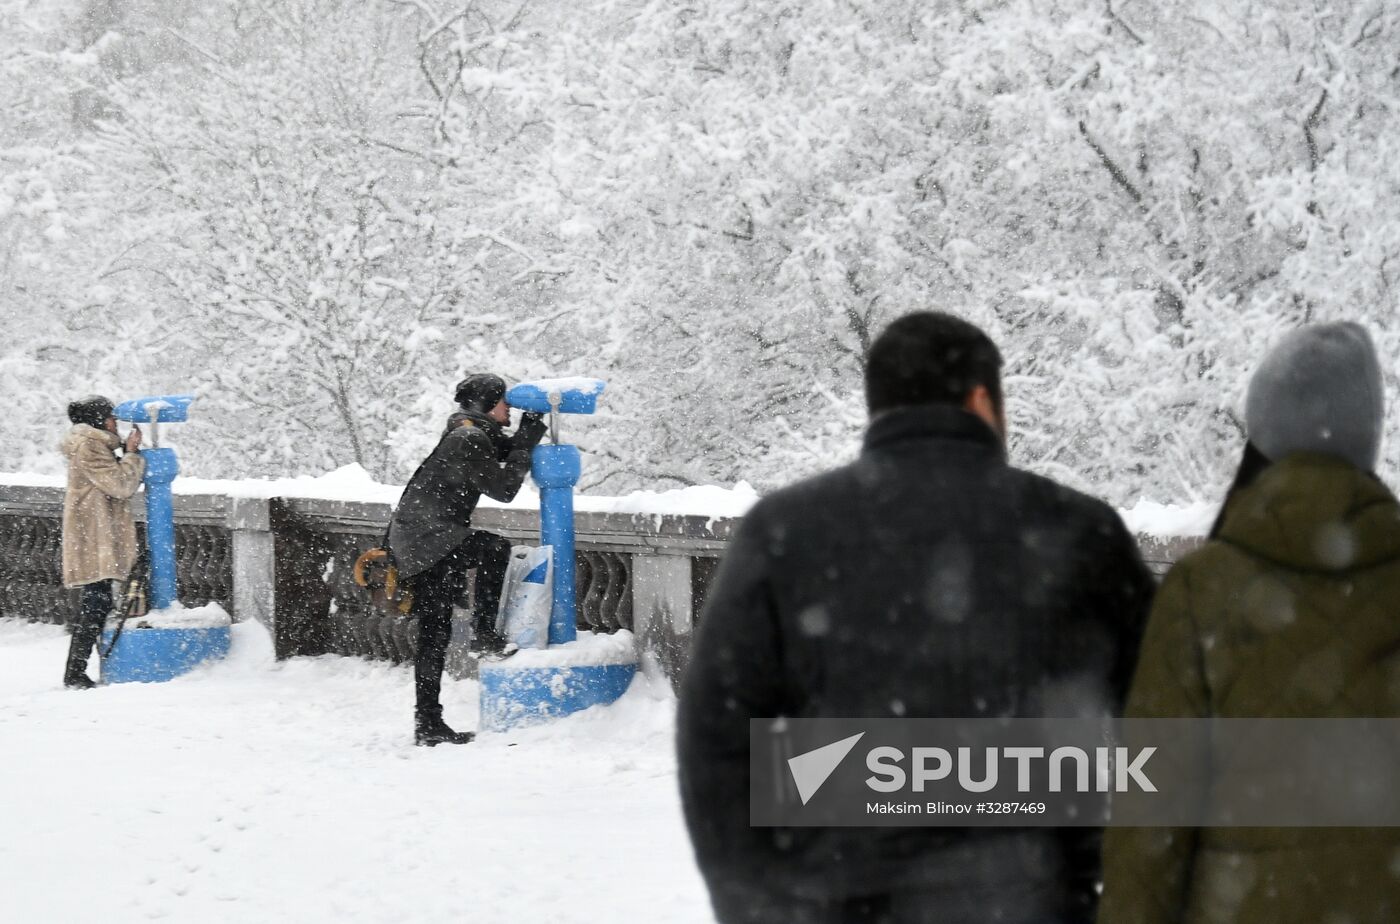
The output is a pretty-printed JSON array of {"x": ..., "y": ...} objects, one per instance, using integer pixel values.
[
  {"x": 261, "y": 790},
  {"x": 257, "y": 790}
]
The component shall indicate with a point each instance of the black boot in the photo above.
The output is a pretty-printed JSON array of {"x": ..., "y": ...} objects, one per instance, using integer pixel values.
[
  {"x": 86, "y": 632},
  {"x": 78, "y": 681},
  {"x": 487, "y": 641},
  {"x": 429, "y": 730}
]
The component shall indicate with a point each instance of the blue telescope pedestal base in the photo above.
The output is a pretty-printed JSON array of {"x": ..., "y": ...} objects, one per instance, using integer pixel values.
[
  {"x": 156, "y": 655},
  {"x": 535, "y": 686},
  {"x": 529, "y": 696}
]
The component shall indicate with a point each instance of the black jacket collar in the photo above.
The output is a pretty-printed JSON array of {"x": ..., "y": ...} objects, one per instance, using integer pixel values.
[
  {"x": 481, "y": 421},
  {"x": 931, "y": 422}
]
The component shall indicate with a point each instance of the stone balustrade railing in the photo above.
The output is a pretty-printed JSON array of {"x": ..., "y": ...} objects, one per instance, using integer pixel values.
[{"x": 286, "y": 562}]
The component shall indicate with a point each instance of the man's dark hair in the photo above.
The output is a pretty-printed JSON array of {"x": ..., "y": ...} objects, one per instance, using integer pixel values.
[{"x": 930, "y": 358}]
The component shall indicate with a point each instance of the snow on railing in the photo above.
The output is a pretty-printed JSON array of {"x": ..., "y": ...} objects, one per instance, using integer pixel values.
[{"x": 353, "y": 484}]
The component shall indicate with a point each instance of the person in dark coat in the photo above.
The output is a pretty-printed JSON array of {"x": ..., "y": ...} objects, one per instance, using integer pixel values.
[
  {"x": 928, "y": 578},
  {"x": 1288, "y": 612},
  {"x": 433, "y": 544}
]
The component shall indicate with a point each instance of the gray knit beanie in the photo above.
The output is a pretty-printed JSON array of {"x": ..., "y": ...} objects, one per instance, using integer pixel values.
[{"x": 1318, "y": 390}]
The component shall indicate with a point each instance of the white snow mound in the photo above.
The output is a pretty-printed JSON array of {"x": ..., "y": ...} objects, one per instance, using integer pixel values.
[
  {"x": 588, "y": 650},
  {"x": 178, "y": 616}
]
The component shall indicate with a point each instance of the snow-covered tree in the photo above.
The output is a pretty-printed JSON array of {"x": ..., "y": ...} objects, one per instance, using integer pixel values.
[
  {"x": 322, "y": 212},
  {"x": 292, "y": 217}
]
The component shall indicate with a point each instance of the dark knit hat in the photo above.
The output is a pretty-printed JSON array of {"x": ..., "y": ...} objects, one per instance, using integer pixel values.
[
  {"x": 480, "y": 392},
  {"x": 92, "y": 410},
  {"x": 1318, "y": 390}
]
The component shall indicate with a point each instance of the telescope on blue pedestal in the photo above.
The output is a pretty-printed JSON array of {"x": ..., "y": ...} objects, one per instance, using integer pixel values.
[
  {"x": 556, "y": 468},
  {"x": 159, "y": 653},
  {"x": 513, "y": 693},
  {"x": 161, "y": 468}
]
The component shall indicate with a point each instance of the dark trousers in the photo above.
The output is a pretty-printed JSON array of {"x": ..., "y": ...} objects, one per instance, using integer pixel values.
[
  {"x": 87, "y": 629},
  {"x": 435, "y": 591}
]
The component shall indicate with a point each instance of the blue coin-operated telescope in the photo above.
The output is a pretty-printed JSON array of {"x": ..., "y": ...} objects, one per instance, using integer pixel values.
[
  {"x": 161, "y": 468},
  {"x": 155, "y": 654},
  {"x": 556, "y": 468},
  {"x": 563, "y": 678}
]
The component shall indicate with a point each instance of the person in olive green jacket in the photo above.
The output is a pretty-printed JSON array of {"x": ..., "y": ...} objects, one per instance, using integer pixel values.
[{"x": 1291, "y": 610}]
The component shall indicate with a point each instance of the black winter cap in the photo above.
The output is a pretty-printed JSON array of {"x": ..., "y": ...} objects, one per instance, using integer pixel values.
[
  {"x": 92, "y": 410},
  {"x": 480, "y": 392}
]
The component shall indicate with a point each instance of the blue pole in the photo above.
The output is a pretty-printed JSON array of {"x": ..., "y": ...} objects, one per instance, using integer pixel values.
[
  {"x": 161, "y": 469},
  {"x": 556, "y": 469}
]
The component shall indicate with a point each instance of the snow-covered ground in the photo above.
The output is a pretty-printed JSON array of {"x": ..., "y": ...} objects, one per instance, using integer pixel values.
[{"x": 254, "y": 790}]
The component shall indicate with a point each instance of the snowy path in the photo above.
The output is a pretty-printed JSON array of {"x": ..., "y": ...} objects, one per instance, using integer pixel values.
[{"x": 259, "y": 791}]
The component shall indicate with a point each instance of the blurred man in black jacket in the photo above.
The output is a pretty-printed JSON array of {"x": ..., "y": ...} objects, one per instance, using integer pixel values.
[
  {"x": 926, "y": 579},
  {"x": 433, "y": 542}
]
